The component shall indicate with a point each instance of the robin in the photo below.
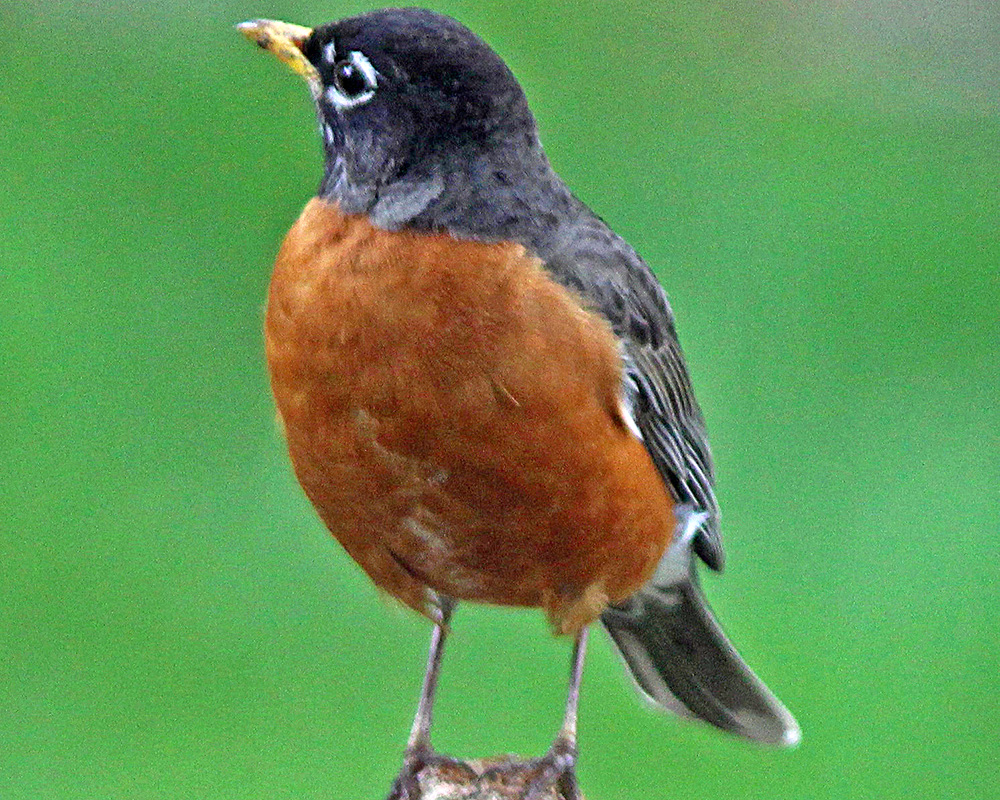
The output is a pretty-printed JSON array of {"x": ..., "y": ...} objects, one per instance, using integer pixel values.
[{"x": 481, "y": 384}]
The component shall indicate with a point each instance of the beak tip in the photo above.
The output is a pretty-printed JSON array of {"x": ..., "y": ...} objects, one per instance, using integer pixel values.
[
  {"x": 252, "y": 29},
  {"x": 284, "y": 40},
  {"x": 264, "y": 31}
]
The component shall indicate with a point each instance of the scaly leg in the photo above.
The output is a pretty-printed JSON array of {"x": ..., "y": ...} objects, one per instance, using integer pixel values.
[
  {"x": 419, "y": 752},
  {"x": 558, "y": 766}
]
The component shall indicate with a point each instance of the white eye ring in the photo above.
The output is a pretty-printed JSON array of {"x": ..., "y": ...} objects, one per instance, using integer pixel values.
[{"x": 335, "y": 93}]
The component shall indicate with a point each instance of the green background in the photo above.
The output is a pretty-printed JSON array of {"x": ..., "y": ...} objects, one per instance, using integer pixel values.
[{"x": 816, "y": 184}]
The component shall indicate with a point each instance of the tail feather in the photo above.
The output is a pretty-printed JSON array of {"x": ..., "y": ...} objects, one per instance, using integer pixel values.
[{"x": 681, "y": 659}]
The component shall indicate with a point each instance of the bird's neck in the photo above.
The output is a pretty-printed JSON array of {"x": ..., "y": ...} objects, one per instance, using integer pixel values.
[{"x": 496, "y": 198}]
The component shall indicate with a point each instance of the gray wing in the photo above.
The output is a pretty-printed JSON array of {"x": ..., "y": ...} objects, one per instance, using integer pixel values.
[
  {"x": 666, "y": 632},
  {"x": 590, "y": 258}
]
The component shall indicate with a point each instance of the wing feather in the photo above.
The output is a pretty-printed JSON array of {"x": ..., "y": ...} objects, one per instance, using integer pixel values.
[{"x": 590, "y": 258}]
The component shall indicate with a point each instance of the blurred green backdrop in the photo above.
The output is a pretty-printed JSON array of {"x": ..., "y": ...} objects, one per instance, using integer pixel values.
[{"x": 817, "y": 185}]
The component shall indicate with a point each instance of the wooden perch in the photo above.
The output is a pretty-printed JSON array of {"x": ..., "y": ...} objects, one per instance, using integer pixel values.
[{"x": 497, "y": 778}]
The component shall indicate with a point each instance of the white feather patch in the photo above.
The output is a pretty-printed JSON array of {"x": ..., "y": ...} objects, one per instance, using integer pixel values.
[{"x": 625, "y": 411}]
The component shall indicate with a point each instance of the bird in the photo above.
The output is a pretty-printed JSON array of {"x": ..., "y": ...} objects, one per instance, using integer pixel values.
[{"x": 481, "y": 385}]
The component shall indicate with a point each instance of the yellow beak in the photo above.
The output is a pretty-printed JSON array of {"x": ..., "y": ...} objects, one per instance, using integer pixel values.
[{"x": 285, "y": 41}]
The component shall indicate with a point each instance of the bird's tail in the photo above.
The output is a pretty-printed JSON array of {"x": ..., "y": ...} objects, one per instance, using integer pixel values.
[{"x": 680, "y": 658}]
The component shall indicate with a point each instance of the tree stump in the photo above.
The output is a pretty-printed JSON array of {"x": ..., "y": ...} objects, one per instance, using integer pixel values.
[{"x": 497, "y": 778}]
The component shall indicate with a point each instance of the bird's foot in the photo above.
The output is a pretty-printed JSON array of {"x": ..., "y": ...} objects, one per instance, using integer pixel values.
[
  {"x": 551, "y": 777},
  {"x": 421, "y": 761},
  {"x": 556, "y": 770}
]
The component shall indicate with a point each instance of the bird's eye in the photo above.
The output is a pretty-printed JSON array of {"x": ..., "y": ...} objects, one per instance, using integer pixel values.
[
  {"x": 349, "y": 79},
  {"x": 354, "y": 81}
]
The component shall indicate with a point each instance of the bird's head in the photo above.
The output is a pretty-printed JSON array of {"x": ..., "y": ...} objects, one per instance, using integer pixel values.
[{"x": 409, "y": 102}]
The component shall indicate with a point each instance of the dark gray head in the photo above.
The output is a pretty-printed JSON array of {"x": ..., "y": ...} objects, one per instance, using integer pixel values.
[{"x": 422, "y": 123}]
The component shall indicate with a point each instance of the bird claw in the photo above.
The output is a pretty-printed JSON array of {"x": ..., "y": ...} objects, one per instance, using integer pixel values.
[
  {"x": 408, "y": 784},
  {"x": 555, "y": 770}
]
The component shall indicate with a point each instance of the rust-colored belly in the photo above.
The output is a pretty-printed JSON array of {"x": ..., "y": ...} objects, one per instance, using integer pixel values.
[{"x": 453, "y": 415}]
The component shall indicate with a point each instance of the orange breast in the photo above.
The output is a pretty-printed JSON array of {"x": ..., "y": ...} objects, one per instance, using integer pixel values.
[{"x": 453, "y": 415}]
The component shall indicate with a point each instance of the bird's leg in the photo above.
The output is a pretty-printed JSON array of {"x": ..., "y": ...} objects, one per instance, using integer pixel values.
[
  {"x": 418, "y": 747},
  {"x": 558, "y": 766},
  {"x": 420, "y": 733}
]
